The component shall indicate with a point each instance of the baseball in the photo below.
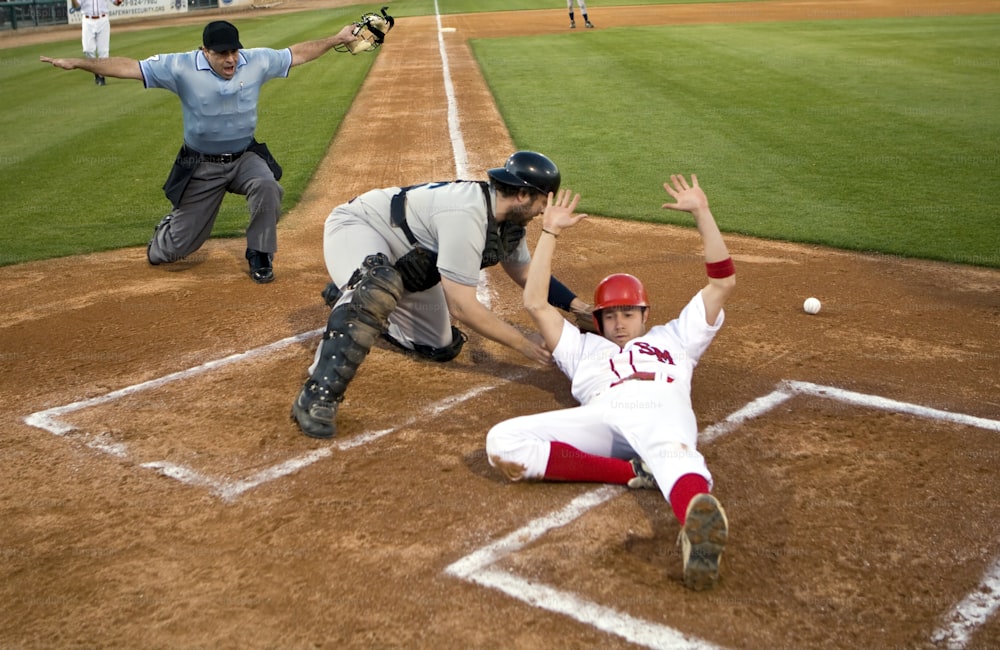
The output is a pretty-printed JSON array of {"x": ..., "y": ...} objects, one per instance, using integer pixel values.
[{"x": 812, "y": 305}]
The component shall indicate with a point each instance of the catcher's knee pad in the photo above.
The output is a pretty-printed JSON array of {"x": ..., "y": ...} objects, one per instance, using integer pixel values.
[
  {"x": 352, "y": 327},
  {"x": 377, "y": 289}
]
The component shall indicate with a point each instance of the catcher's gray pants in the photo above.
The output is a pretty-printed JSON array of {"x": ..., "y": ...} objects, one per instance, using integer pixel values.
[
  {"x": 420, "y": 318},
  {"x": 184, "y": 230}
]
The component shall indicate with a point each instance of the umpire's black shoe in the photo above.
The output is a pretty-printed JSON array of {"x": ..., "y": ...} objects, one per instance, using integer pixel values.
[
  {"x": 260, "y": 266},
  {"x": 99, "y": 80}
]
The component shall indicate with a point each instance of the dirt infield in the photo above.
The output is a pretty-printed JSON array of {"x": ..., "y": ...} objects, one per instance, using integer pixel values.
[{"x": 161, "y": 497}]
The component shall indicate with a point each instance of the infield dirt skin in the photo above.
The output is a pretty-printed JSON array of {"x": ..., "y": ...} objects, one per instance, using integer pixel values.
[{"x": 850, "y": 526}]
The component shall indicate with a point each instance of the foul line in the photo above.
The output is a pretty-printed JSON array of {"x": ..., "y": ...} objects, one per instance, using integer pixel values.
[
  {"x": 454, "y": 124},
  {"x": 459, "y": 152},
  {"x": 477, "y": 567}
]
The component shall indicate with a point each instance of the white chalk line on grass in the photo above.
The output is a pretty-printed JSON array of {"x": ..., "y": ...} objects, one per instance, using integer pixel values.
[{"x": 477, "y": 567}]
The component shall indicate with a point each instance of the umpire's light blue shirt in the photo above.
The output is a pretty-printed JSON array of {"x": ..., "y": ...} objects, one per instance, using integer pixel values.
[{"x": 220, "y": 115}]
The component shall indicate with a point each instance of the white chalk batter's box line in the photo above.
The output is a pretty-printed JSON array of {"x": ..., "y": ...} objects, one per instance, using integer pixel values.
[
  {"x": 53, "y": 421},
  {"x": 964, "y": 618},
  {"x": 958, "y": 625}
]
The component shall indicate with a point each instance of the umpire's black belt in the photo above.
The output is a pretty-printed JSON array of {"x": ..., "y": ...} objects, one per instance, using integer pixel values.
[{"x": 224, "y": 158}]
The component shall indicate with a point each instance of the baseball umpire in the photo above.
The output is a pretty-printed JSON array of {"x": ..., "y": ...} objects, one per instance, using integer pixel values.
[
  {"x": 219, "y": 86},
  {"x": 405, "y": 259},
  {"x": 635, "y": 424}
]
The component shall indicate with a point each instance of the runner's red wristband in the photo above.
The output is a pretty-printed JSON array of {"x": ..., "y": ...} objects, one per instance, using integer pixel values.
[{"x": 722, "y": 269}]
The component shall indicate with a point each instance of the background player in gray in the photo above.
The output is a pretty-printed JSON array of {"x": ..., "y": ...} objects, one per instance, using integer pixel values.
[
  {"x": 635, "y": 424},
  {"x": 219, "y": 86},
  {"x": 407, "y": 259}
]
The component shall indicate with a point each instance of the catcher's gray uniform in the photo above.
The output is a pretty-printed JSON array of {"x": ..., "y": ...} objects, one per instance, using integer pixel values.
[
  {"x": 447, "y": 218},
  {"x": 402, "y": 257}
]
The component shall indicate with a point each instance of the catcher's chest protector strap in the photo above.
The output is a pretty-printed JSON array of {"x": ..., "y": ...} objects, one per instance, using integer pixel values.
[{"x": 397, "y": 206}]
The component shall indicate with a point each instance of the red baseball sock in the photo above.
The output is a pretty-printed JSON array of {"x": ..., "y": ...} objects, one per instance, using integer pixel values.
[
  {"x": 686, "y": 488},
  {"x": 568, "y": 463}
]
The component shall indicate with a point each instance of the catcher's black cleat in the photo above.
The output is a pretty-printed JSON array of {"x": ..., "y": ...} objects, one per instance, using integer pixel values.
[
  {"x": 331, "y": 294},
  {"x": 315, "y": 416},
  {"x": 260, "y": 266}
]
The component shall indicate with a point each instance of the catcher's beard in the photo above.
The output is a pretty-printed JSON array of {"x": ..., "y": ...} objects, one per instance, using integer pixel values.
[{"x": 522, "y": 214}]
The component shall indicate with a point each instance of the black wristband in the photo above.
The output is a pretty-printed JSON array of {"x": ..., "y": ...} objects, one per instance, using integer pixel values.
[{"x": 559, "y": 294}]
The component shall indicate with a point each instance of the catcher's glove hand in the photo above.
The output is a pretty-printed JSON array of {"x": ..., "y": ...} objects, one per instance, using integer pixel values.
[
  {"x": 418, "y": 269},
  {"x": 370, "y": 32},
  {"x": 584, "y": 320}
]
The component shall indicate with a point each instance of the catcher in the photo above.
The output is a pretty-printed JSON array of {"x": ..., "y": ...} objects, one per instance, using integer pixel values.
[{"x": 405, "y": 259}]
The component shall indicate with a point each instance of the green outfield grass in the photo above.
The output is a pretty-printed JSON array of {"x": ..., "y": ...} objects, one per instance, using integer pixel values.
[
  {"x": 426, "y": 7},
  {"x": 878, "y": 135},
  {"x": 875, "y": 135}
]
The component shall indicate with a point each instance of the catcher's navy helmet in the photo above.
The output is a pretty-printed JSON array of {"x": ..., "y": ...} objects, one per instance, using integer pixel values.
[
  {"x": 618, "y": 290},
  {"x": 528, "y": 169}
]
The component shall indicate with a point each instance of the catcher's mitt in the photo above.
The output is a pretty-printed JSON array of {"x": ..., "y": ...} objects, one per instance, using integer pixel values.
[
  {"x": 584, "y": 321},
  {"x": 418, "y": 269},
  {"x": 370, "y": 32}
]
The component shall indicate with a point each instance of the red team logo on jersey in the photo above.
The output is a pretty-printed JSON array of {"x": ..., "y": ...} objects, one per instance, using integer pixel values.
[{"x": 661, "y": 355}]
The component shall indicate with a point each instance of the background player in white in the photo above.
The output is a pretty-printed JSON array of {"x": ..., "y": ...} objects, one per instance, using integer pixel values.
[
  {"x": 583, "y": 12},
  {"x": 404, "y": 260},
  {"x": 635, "y": 425},
  {"x": 95, "y": 30}
]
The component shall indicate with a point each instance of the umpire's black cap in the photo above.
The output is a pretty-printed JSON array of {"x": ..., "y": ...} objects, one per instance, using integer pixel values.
[{"x": 221, "y": 36}]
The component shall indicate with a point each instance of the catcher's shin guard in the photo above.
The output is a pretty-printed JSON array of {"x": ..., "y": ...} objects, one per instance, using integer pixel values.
[{"x": 350, "y": 333}]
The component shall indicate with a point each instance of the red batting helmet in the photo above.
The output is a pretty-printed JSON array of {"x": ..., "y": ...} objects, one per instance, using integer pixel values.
[{"x": 618, "y": 290}]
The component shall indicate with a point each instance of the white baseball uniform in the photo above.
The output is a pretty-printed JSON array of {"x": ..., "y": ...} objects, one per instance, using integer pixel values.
[
  {"x": 96, "y": 29},
  {"x": 649, "y": 415}
]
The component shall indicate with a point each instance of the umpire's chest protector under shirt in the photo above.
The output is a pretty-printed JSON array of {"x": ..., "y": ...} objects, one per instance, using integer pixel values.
[{"x": 220, "y": 115}]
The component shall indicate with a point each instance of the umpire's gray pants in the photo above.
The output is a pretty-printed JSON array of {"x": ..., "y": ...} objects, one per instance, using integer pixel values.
[{"x": 184, "y": 230}]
